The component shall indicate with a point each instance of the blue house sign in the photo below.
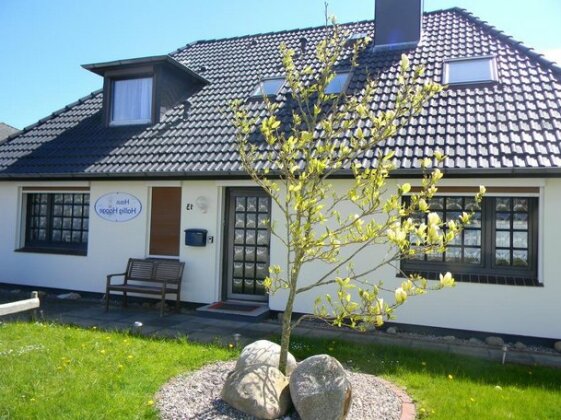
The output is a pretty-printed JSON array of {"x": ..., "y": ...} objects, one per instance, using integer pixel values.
[{"x": 118, "y": 207}]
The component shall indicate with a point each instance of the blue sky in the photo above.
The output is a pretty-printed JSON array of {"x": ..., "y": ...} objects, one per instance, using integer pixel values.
[{"x": 43, "y": 43}]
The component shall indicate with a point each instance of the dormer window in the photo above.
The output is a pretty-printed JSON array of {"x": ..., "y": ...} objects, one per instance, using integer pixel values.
[
  {"x": 131, "y": 101},
  {"x": 268, "y": 87},
  {"x": 339, "y": 83},
  {"x": 140, "y": 90},
  {"x": 474, "y": 70}
]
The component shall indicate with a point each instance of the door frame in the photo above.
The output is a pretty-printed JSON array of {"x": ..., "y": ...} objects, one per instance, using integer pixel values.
[{"x": 228, "y": 235}]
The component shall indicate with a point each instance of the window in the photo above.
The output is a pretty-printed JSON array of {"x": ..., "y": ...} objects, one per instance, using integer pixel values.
[
  {"x": 131, "y": 101},
  {"x": 338, "y": 84},
  {"x": 57, "y": 222},
  {"x": 470, "y": 70},
  {"x": 268, "y": 87},
  {"x": 499, "y": 246}
]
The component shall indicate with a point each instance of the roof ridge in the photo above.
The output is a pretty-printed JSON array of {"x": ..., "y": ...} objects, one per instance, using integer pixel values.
[
  {"x": 518, "y": 45},
  {"x": 54, "y": 114},
  {"x": 283, "y": 31}
]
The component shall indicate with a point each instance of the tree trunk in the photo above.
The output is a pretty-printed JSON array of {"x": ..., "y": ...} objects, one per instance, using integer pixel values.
[{"x": 286, "y": 330}]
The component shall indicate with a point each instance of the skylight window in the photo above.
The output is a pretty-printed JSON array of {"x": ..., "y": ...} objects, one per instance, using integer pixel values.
[
  {"x": 470, "y": 70},
  {"x": 268, "y": 87},
  {"x": 339, "y": 83},
  {"x": 131, "y": 101}
]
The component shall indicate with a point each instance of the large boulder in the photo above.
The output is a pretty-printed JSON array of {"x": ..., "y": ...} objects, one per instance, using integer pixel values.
[
  {"x": 261, "y": 391},
  {"x": 264, "y": 352},
  {"x": 320, "y": 389}
]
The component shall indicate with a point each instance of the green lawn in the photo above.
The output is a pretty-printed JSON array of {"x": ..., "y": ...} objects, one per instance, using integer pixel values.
[
  {"x": 446, "y": 386},
  {"x": 50, "y": 371}
]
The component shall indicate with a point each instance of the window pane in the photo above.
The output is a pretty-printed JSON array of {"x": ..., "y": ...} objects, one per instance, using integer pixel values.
[
  {"x": 520, "y": 221},
  {"x": 520, "y": 204},
  {"x": 472, "y": 237},
  {"x": 503, "y": 221},
  {"x": 472, "y": 255},
  {"x": 503, "y": 239},
  {"x": 502, "y": 257},
  {"x": 132, "y": 101},
  {"x": 338, "y": 84},
  {"x": 436, "y": 203},
  {"x": 469, "y": 70},
  {"x": 503, "y": 204},
  {"x": 454, "y": 254},
  {"x": 520, "y": 239},
  {"x": 520, "y": 258},
  {"x": 268, "y": 87},
  {"x": 454, "y": 203}
]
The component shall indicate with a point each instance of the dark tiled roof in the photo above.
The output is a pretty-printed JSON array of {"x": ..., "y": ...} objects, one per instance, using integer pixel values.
[
  {"x": 6, "y": 131},
  {"x": 511, "y": 126}
]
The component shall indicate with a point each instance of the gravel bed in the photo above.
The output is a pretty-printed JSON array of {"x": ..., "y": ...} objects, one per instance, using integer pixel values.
[{"x": 196, "y": 395}]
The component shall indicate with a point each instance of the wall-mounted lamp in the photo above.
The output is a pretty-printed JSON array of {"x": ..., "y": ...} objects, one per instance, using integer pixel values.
[{"x": 202, "y": 204}]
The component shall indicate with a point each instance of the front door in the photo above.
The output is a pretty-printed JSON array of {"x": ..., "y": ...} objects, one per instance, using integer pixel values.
[{"x": 247, "y": 243}]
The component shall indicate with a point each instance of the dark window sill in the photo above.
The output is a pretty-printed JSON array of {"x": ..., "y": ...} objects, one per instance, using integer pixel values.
[
  {"x": 58, "y": 251},
  {"x": 500, "y": 279}
]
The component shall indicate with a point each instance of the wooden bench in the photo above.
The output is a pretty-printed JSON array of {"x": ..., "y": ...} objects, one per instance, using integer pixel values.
[{"x": 151, "y": 277}]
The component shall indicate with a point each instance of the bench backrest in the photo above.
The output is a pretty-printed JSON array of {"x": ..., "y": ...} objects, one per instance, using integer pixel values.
[
  {"x": 139, "y": 269},
  {"x": 156, "y": 271},
  {"x": 168, "y": 270}
]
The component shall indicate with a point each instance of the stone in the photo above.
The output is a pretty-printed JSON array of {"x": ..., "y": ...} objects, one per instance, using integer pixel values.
[
  {"x": 259, "y": 390},
  {"x": 494, "y": 341},
  {"x": 476, "y": 341},
  {"x": 69, "y": 296},
  {"x": 557, "y": 346},
  {"x": 392, "y": 330},
  {"x": 520, "y": 346},
  {"x": 320, "y": 389},
  {"x": 263, "y": 352},
  {"x": 449, "y": 338}
]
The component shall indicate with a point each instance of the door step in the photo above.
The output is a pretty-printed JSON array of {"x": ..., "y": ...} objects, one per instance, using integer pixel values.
[{"x": 235, "y": 310}]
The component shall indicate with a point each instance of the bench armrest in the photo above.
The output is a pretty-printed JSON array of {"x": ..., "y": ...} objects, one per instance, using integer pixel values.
[{"x": 110, "y": 276}]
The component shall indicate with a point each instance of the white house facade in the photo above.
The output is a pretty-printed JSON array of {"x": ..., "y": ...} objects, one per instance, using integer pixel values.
[{"x": 134, "y": 169}]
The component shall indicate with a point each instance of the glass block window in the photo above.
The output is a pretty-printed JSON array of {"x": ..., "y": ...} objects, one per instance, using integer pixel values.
[
  {"x": 499, "y": 246},
  {"x": 57, "y": 221},
  {"x": 466, "y": 247}
]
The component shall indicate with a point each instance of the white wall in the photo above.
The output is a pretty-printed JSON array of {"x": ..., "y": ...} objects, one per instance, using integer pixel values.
[{"x": 533, "y": 311}]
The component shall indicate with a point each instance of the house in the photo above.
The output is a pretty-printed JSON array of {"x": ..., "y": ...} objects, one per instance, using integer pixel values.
[
  {"x": 6, "y": 131},
  {"x": 126, "y": 170}
]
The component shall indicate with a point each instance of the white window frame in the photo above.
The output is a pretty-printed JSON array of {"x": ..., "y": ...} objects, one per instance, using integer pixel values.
[{"x": 494, "y": 75}]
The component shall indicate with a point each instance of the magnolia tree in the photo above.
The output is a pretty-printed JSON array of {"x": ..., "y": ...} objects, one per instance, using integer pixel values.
[{"x": 294, "y": 158}]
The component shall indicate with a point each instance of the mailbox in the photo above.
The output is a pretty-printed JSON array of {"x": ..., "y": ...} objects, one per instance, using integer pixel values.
[{"x": 195, "y": 237}]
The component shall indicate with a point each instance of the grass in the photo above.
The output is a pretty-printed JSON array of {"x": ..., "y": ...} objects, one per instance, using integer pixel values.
[
  {"x": 51, "y": 371},
  {"x": 448, "y": 386}
]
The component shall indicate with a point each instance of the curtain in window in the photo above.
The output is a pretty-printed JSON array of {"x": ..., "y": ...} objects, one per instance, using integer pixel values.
[{"x": 132, "y": 101}]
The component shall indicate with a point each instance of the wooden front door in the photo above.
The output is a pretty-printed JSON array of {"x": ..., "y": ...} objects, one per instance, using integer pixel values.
[
  {"x": 165, "y": 221},
  {"x": 247, "y": 243}
]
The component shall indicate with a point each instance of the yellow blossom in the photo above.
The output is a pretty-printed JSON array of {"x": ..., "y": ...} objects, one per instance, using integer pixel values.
[
  {"x": 447, "y": 280},
  {"x": 400, "y": 295},
  {"x": 450, "y": 377}
]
